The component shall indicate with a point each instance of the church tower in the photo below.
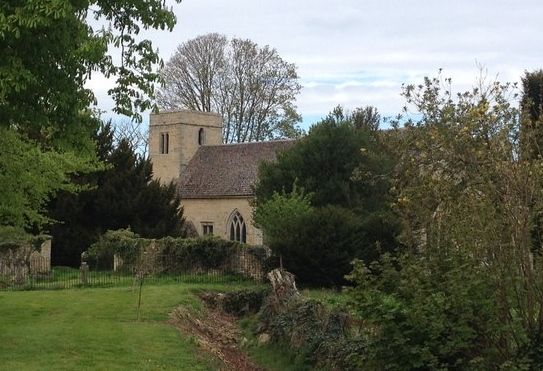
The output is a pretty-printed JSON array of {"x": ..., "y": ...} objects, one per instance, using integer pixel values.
[{"x": 175, "y": 136}]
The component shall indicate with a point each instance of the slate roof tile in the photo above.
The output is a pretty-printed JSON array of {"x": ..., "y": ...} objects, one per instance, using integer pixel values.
[{"x": 227, "y": 170}]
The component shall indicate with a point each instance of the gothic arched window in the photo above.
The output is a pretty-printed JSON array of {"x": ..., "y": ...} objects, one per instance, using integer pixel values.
[
  {"x": 201, "y": 136},
  {"x": 236, "y": 228}
]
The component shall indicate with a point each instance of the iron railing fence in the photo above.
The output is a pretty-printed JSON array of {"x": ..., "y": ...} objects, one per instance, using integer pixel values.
[{"x": 161, "y": 269}]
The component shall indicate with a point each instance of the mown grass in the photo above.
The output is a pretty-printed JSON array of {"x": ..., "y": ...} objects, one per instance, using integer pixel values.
[
  {"x": 330, "y": 298},
  {"x": 96, "y": 329},
  {"x": 66, "y": 277}
]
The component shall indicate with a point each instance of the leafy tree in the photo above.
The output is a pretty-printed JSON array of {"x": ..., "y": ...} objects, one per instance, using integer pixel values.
[
  {"x": 464, "y": 189},
  {"x": 28, "y": 176},
  {"x": 367, "y": 117},
  {"x": 531, "y": 113},
  {"x": 323, "y": 163},
  {"x": 531, "y": 133},
  {"x": 279, "y": 216},
  {"x": 50, "y": 49},
  {"x": 124, "y": 195},
  {"x": 344, "y": 168},
  {"x": 252, "y": 87}
]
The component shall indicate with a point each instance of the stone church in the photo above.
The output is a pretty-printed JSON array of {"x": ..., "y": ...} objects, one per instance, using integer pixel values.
[{"x": 214, "y": 179}]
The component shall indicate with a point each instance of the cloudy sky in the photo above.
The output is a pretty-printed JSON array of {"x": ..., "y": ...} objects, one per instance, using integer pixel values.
[{"x": 359, "y": 52}]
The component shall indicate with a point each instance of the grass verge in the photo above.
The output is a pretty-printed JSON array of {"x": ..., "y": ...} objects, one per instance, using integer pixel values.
[
  {"x": 330, "y": 298},
  {"x": 66, "y": 278},
  {"x": 273, "y": 357},
  {"x": 94, "y": 328}
]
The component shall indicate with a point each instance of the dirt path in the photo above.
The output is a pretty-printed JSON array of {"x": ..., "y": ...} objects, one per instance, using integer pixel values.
[{"x": 217, "y": 333}]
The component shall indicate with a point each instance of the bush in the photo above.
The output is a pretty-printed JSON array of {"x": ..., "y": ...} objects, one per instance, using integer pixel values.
[
  {"x": 278, "y": 216},
  {"x": 14, "y": 238},
  {"x": 431, "y": 312},
  {"x": 322, "y": 245},
  {"x": 178, "y": 255},
  {"x": 318, "y": 336},
  {"x": 122, "y": 242},
  {"x": 16, "y": 248}
]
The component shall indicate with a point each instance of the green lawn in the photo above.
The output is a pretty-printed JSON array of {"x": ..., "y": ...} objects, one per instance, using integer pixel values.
[
  {"x": 66, "y": 278},
  {"x": 96, "y": 328},
  {"x": 330, "y": 298}
]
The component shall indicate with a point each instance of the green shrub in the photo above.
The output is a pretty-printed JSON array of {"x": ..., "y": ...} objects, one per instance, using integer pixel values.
[
  {"x": 205, "y": 253},
  {"x": 13, "y": 238},
  {"x": 177, "y": 255},
  {"x": 426, "y": 312},
  {"x": 121, "y": 242},
  {"x": 324, "y": 243},
  {"x": 319, "y": 337},
  {"x": 278, "y": 216}
]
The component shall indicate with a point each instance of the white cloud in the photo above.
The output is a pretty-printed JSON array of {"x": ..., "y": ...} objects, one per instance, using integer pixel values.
[{"x": 355, "y": 52}]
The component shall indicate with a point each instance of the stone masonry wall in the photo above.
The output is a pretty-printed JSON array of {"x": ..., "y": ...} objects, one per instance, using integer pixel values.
[
  {"x": 217, "y": 212},
  {"x": 15, "y": 263},
  {"x": 183, "y": 127}
]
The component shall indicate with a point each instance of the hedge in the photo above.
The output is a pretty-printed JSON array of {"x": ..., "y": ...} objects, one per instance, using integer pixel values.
[{"x": 177, "y": 255}]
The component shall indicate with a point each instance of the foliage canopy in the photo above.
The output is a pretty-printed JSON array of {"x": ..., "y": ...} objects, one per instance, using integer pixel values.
[
  {"x": 122, "y": 195},
  {"x": 467, "y": 290},
  {"x": 28, "y": 175},
  {"x": 50, "y": 49},
  {"x": 342, "y": 161},
  {"x": 343, "y": 167}
]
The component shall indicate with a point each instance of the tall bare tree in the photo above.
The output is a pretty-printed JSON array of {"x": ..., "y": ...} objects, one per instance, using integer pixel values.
[
  {"x": 134, "y": 133},
  {"x": 252, "y": 87}
]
